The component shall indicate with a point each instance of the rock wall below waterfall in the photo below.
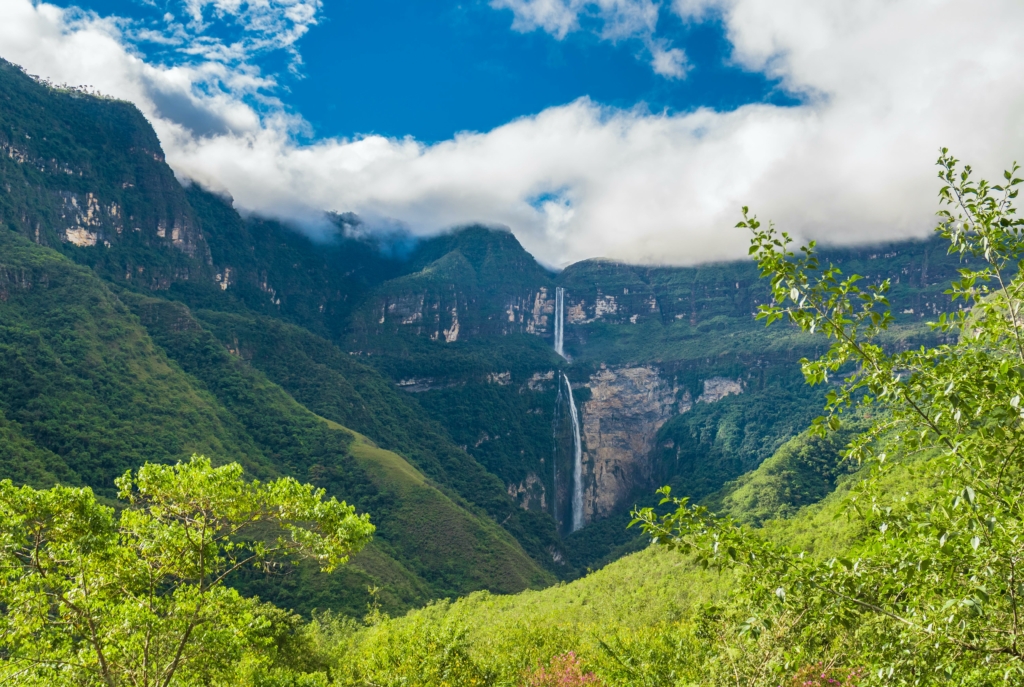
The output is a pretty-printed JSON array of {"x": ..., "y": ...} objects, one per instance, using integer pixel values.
[{"x": 621, "y": 419}]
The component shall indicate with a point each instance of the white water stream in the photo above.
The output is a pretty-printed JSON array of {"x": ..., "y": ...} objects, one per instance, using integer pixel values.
[
  {"x": 577, "y": 465},
  {"x": 560, "y": 321},
  {"x": 577, "y": 443}
]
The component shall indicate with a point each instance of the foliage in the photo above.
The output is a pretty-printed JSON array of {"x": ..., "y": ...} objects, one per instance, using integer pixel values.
[
  {"x": 442, "y": 544},
  {"x": 803, "y": 471},
  {"x": 625, "y": 623},
  {"x": 332, "y": 384},
  {"x": 272, "y": 269},
  {"x": 84, "y": 392},
  {"x": 820, "y": 675},
  {"x": 141, "y": 599},
  {"x": 429, "y": 651},
  {"x": 562, "y": 671},
  {"x": 933, "y": 594},
  {"x": 717, "y": 442}
]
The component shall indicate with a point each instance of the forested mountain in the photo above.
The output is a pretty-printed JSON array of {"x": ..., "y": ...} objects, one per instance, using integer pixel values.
[
  {"x": 142, "y": 319},
  {"x": 102, "y": 372}
]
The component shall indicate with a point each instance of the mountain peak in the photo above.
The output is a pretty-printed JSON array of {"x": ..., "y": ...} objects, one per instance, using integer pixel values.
[{"x": 489, "y": 251}]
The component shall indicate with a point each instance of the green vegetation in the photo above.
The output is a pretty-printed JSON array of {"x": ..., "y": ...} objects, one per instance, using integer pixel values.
[
  {"x": 88, "y": 393},
  {"x": 140, "y": 598},
  {"x": 803, "y": 471},
  {"x": 142, "y": 322},
  {"x": 930, "y": 592},
  {"x": 455, "y": 552},
  {"x": 335, "y": 386},
  {"x": 84, "y": 392},
  {"x": 292, "y": 436}
]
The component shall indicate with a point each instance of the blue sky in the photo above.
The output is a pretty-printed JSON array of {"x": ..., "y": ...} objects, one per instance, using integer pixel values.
[
  {"x": 626, "y": 129},
  {"x": 432, "y": 68}
]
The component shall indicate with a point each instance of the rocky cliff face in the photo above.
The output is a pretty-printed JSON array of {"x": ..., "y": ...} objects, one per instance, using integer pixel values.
[
  {"x": 451, "y": 312},
  {"x": 620, "y": 421},
  {"x": 627, "y": 407},
  {"x": 85, "y": 175}
]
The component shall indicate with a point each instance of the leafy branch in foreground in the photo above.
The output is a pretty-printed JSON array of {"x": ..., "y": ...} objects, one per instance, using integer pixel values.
[
  {"x": 934, "y": 590},
  {"x": 140, "y": 598}
]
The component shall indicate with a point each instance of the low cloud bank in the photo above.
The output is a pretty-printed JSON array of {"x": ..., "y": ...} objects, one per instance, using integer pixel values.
[{"x": 884, "y": 84}]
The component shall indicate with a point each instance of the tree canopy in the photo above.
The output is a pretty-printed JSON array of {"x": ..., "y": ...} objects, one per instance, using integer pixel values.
[
  {"x": 933, "y": 593},
  {"x": 94, "y": 596}
]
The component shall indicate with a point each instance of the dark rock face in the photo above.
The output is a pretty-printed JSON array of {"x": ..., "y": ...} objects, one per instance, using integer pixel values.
[
  {"x": 86, "y": 175},
  {"x": 627, "y": 407}
]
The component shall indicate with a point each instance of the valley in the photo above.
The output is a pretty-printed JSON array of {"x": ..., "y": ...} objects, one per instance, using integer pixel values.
[
  {"x": 498, "y": 420},
  {"x": 443, "y": 354}
]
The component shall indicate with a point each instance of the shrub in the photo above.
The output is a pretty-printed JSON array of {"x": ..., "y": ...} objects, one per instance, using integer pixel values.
[
  {"x": 818, "y": 675},
  {"x": 562, "y": 671}
]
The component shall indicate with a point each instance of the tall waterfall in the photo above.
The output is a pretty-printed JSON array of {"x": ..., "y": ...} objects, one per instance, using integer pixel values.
[
  {"x": 559, "y": 321},
  {"x": 577, "y": 465}
]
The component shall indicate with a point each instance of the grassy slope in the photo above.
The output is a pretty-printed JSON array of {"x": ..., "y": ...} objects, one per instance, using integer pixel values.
[
  {"x": 330, "y": 383},
  {"x": 791, "y": 493},
  {"x": 469, "y": 552},
  {"x": 83, "y": 389},
  {"x": 86, "y": 393},
  {"x": 452, "y": 549},
  {"x": 803, "y": 471},
  {"x": 643, "y": 601}
]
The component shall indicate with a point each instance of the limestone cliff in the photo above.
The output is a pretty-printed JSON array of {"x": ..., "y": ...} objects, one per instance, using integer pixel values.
[
  {"x": 627, "y": 407},
  {"x": 620, "y": 421}
]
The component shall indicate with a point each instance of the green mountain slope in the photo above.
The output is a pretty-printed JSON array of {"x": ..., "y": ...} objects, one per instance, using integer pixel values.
[
  {"x": 803, "y": 471},
  {"x": 461, "y": 552},
  {"x": 86, "y": 175},
  {"x": 334, "y": 385},
  {"x": 474, "y": 282},
  {"x": 268, "y": 268},
  {"x": 482, "y": 556},
  {"x": 81, "y": 380},
  {"x": 88, "y": 392},
  {"x": 649, "y": 618},
  {"x": 124, "y": 214}
]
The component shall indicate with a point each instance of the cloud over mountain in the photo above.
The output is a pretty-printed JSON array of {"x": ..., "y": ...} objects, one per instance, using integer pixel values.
[{"x": 883, "y": 83}]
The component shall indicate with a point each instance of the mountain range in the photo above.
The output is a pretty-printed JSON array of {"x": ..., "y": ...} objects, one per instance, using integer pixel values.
[{"x": 143, "y": 318}]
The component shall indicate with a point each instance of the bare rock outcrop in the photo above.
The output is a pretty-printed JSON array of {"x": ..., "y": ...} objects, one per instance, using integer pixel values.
[
  {"x": 717, "y": 388},
  {"x": 620, "y": 422}
]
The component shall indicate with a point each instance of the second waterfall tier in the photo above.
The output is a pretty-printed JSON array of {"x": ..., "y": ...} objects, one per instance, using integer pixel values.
[{"x": 577, "y": 463}]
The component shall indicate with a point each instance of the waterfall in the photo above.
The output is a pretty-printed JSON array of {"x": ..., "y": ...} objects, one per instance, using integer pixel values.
[
  {"x": 554, "y": 458},
  {"x": 559, "y": 321},
  {"x": 577, "y": 465},
  {"x": 577, "y": 442}
]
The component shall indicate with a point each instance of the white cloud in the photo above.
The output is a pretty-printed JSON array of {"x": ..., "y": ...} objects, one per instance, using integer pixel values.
[
  {"x": 618, "y": 20},
  {"x": 556, "y": 17},
  {"x": 668, "y": 62},
  {"x": 886, "y": 82},
  {"x": 261, "y": 25}
]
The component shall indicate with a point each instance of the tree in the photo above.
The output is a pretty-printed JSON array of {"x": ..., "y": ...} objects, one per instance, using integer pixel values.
[
  {"x": 139, "y": 598},
  {"x": 933, "y": 592}
]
